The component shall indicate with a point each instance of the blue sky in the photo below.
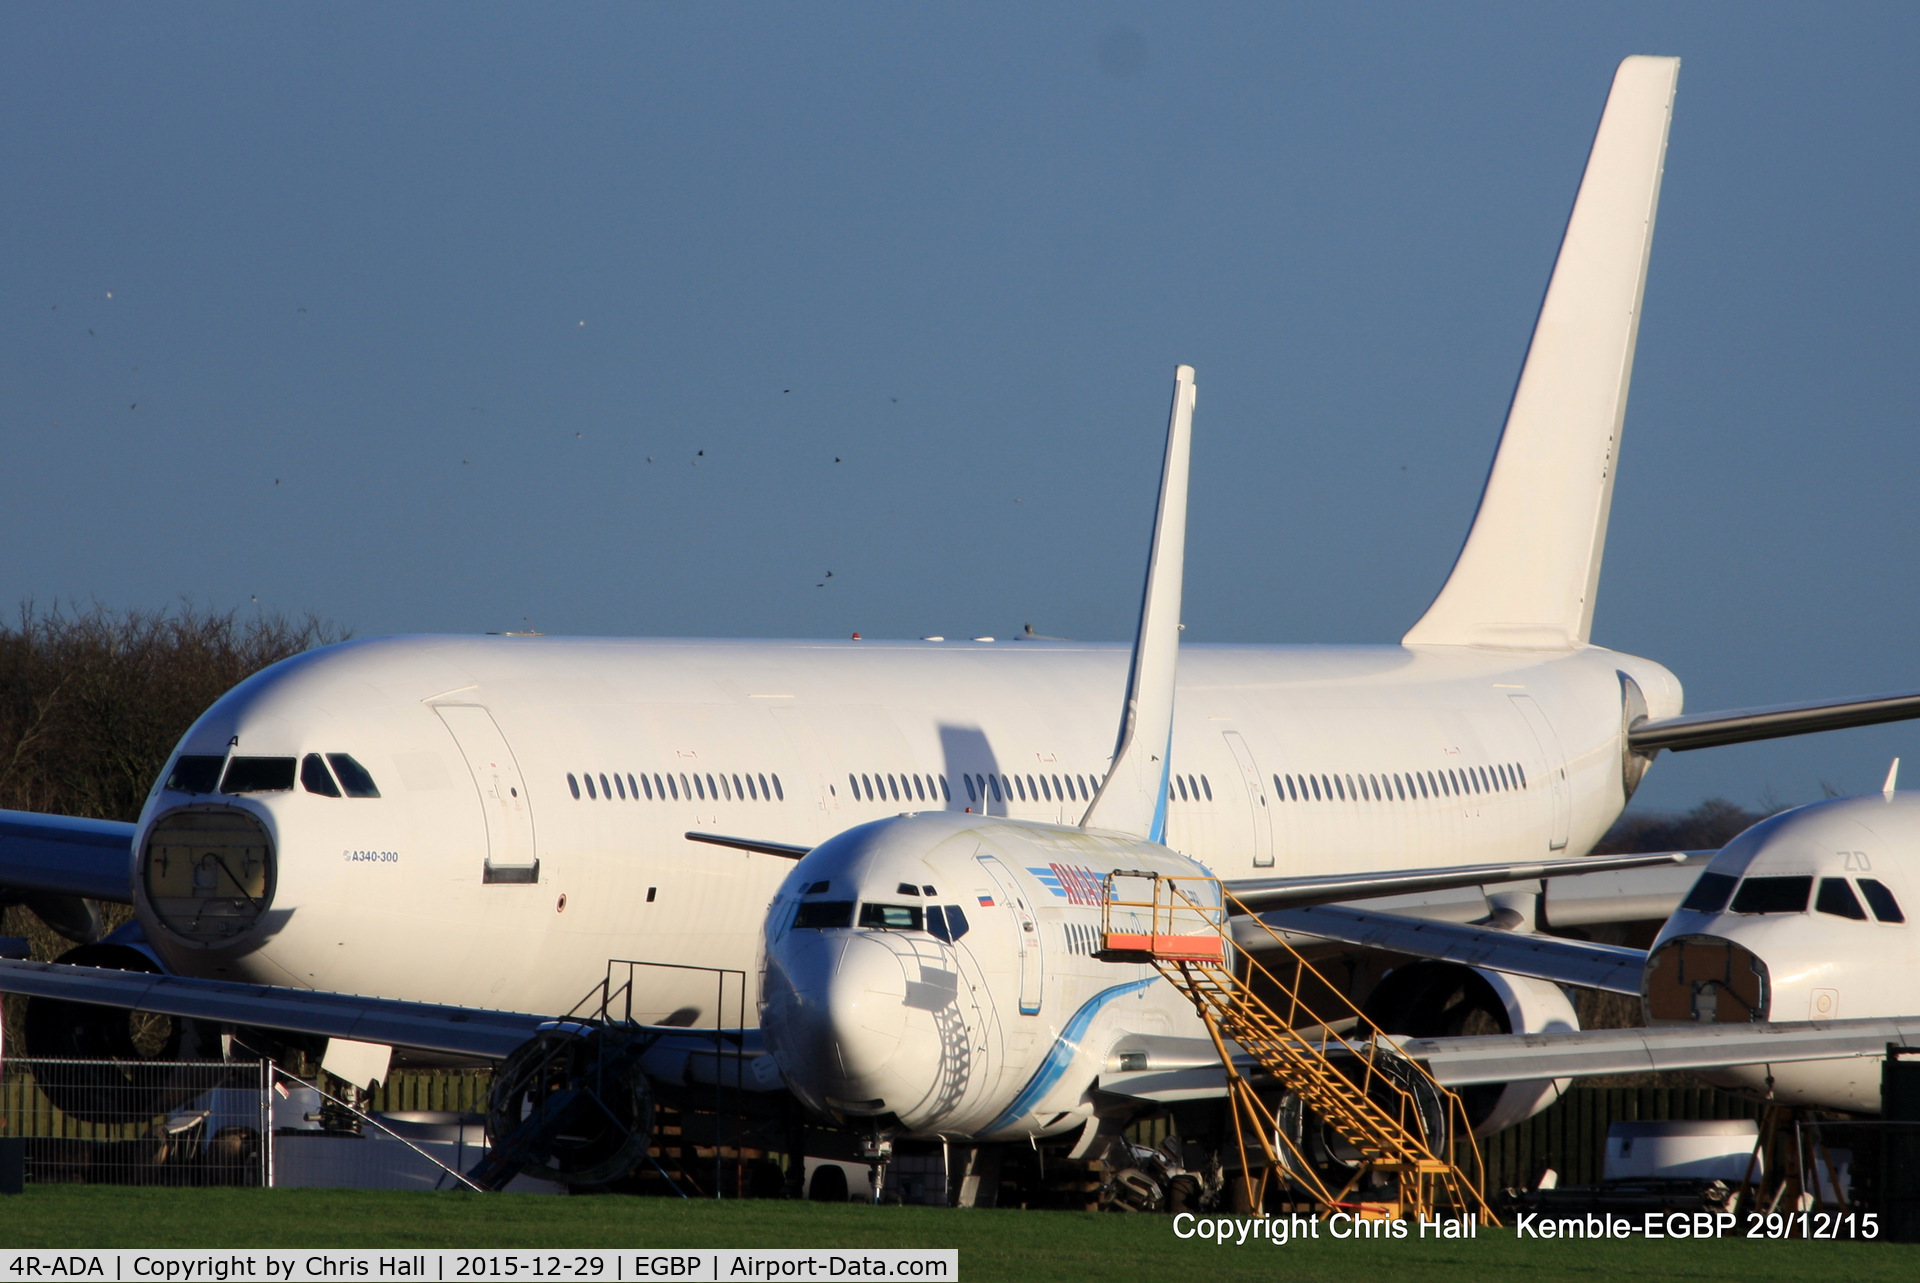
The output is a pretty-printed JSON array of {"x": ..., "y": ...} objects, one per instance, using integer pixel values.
[{"x": 636, "y": 319}]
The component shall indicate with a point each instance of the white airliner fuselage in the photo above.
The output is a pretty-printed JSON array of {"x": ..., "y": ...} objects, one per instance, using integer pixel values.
[{"x": 500, "y": 752}]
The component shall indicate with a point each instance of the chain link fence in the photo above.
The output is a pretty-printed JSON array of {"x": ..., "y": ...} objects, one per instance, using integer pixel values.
[{"x": 109, "y": 1122}]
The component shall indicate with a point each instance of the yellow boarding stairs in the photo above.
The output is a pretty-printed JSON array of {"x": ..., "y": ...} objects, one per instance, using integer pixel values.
[{"x": 1396, "y": 1118}]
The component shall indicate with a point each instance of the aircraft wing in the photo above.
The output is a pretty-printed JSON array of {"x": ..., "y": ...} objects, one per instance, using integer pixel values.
[
  {"x": 733, "y": 1057},
  {"x": 1741, "y": 725},
  {"x": 1573, "y": 962},
  {"x": 65, "y": 855},
  {"x": 463, "y": 1031},
  {"x": 1261, "y": 894},
  {"x": 1499, "y": 1058}
]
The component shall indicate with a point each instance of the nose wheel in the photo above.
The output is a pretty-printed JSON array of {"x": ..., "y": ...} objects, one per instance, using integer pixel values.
[{"x": 876, "y": 1152}]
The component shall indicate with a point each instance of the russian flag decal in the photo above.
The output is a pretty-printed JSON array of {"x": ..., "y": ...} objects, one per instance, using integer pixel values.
[{"x": 986, "y": 901}]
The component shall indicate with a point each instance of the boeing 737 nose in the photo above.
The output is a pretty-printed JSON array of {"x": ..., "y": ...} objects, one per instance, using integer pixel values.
[{"x": 837, "y": 1020}]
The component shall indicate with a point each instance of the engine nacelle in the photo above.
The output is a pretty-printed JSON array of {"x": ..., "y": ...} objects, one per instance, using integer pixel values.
[
  {"x": 1445, "y": 999},
  {"x": 124, "y": 1070}
]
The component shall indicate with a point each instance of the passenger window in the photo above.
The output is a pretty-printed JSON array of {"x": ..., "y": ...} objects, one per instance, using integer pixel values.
[
  {"x": 1033, "y": 790},
  {"x": 1710, "y": 893},
  {"x": 649, "y": 787},
  {"x": 686, "y": 786},
  {"x": 946, "y": 795},
  {"x": 890, "y": 917},
  {"x": 1182, "y": 785},
  {"x": 633, "y": 790},
  {"x": 1315, "y": 781},
  {"x": 893, "y": 787},
  {"x": 994, "y": 780},
  {"x": 1058, "y": 792},
  {"x": 1885, "y": 907},
  {"x": 1021, "y": 785},
  {"x": 763, "y": 787},
  {"x": 258, "y": 775},
  {"x": 699, "y": 788},
  {"x": 1773, "y": 895},
  {"x": 968, "y": 781},
  {"x": 620, "y": 785},
  {"x": 739, "y": 794},
  {"x": 1523, "y": 774},
  {"x": 195, "y": 773},
  {"x": 1837, "y": 898},
  {"x": 1373, "y": 786},
  {"x": 753, "y": 794},
  {"x": 869, "y": 787},
  {"x": 712, "y": 792},
  {"x": 919, "y": 790},
  {"x": 779, "y": 794},
  {"x": 823, "y": 915},
  {"x": 605, "y": 792},
  {"x": 315, "y": 778},
  {"x": 590, "y": 793}
]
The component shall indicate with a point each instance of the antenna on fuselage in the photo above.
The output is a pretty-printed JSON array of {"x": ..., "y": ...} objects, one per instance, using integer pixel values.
[
  {"x": 1133, "y": 798},
  {"x": 1893, "y": 774}
]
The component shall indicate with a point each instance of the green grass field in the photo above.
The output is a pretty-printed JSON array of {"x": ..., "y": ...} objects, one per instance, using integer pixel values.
[{"x": 992, "y": 1244}]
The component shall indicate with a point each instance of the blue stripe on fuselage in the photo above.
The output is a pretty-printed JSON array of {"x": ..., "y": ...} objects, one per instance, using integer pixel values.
[{"x": 1062, "y": 1053}]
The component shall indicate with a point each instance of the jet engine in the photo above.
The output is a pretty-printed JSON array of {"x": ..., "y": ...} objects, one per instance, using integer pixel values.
[
  {"x": 131, "y": 1076},
  {"x": 571, "y": 1105},
  {"x": 1444, "y": 999}
]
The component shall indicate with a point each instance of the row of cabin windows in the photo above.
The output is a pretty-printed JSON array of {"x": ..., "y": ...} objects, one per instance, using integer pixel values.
[
  {"x": 1189, "y": 788},
  {"x": 1031, "y": 788},
  {"x": 899, "y": 788},
  {"x": 684, "y": 787},
  {"x": 1463, "y": 781}
]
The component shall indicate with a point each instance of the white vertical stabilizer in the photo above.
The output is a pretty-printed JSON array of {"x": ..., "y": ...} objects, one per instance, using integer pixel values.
[
  {"x": 1133, "y": 799},
  {"x": 1527, "y": 576}
]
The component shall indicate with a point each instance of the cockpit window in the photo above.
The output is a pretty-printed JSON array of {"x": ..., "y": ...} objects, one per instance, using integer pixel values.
[
  {"x": 353, "y": 776},
  {"x": 316, "y": 778},
  {"x": 907, "y": 888},
  {"x": 823, "y": 915},
  {"x": 1773, "y": 895},
  {"x": 946, "y": 923},
  {"x": 1837, "y": 898},
  {"x": 258, "y": 775},
  {"x": 891, "y": 917},
  {"x": 195, "y": 773},
  {"x": 1885, "y": 907},
  {"x": 1710, "y": 893}
]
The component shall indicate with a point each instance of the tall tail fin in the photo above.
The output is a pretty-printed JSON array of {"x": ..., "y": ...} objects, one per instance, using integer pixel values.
[
  {"x": 1134, "y": 797},
  {"x": 1527, "y": 577}
]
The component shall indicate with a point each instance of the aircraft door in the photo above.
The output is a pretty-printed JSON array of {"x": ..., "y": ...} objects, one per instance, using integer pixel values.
[
  {"x": 1032, "y": 960},
  {"x": 1555, "y": 764},
  {"x": 1262, "y": 813},
  {"x": 510, "y": 855}
]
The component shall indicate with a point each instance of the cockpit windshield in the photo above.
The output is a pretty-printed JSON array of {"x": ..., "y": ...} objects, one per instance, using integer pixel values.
[{"x": 891, "y": 917}]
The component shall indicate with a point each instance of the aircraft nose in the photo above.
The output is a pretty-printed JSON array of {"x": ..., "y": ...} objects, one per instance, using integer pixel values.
[
  {"x": 1705, "y": 979},
  {"x": 837, "y": 1017}
]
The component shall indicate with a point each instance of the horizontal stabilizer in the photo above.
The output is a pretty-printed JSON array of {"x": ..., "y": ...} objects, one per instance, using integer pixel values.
[
  {"x": 1526, "y": 577},
  {"x": 1499, "y": 1058},
  {"x": 1569, "y": 962},
  {"x": 785, "y": 850},
  {"x": 66, "y": 855},
  {"x": 1261, "y": 894},
  {"x": 1744, "y": 725}
]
